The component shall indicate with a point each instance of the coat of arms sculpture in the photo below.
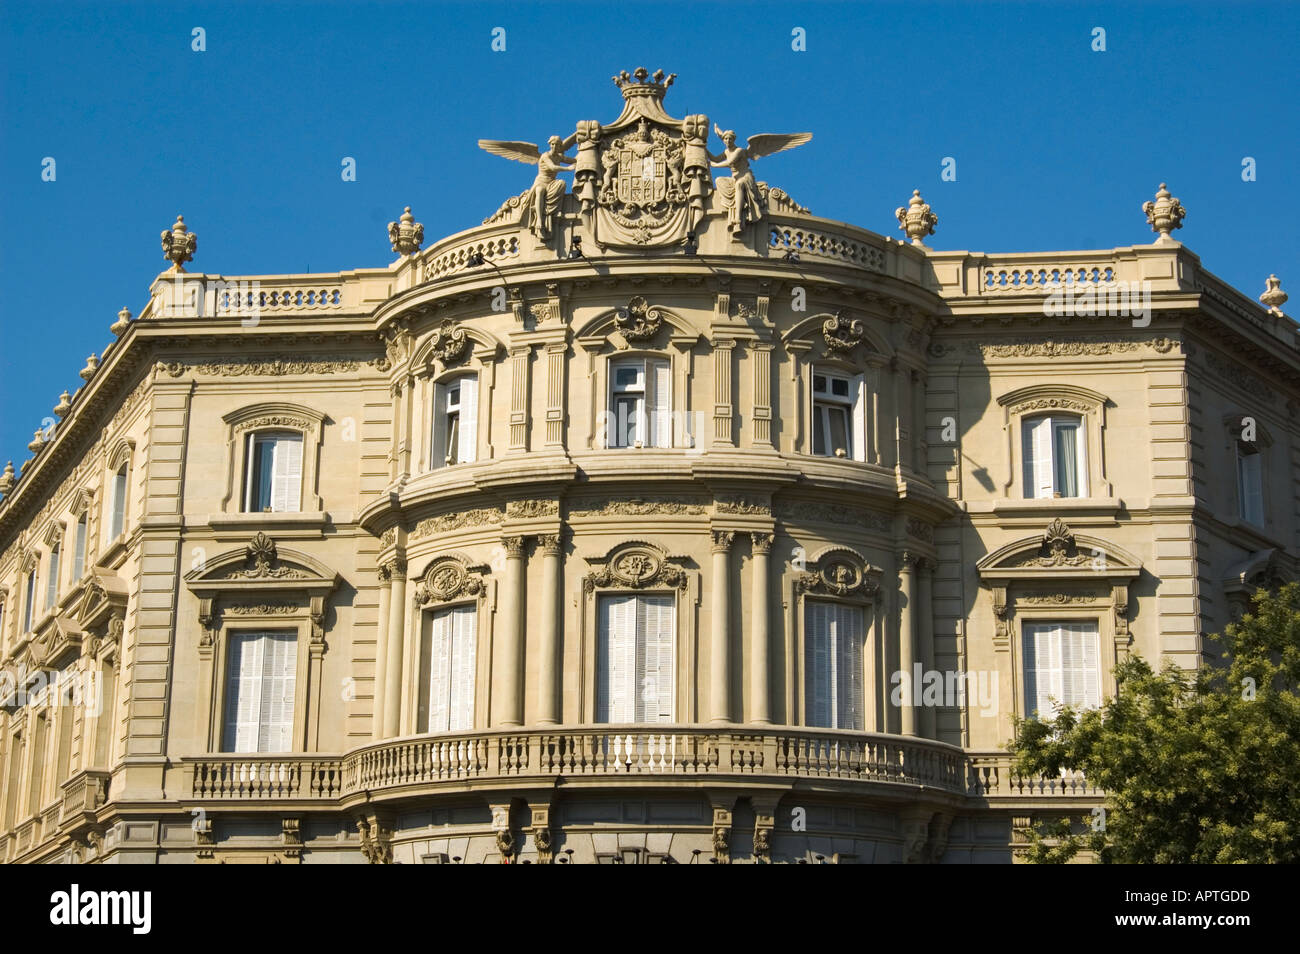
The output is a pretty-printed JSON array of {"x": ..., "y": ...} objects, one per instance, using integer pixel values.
[{"x": 643, "y": 180}]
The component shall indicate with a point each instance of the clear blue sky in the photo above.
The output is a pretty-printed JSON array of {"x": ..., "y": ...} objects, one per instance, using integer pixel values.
[{"x": 1057, "y": 145}]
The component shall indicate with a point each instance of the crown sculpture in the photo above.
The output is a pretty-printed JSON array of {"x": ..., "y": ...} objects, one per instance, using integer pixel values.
[{"x": 643, "y": 180}]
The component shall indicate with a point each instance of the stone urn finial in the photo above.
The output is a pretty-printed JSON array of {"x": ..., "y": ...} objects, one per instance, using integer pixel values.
[
  {"x": 37, "y": 441},
  {"x": 7, "y": 479},
  {"x": 406, "y": 235},
  {"x": 178, "y": 245},
  {"x": 123, "y": 322},
  {"x": 64, "y": 405},
  {"x": 1164, "y": 214},
  {"x": 88, "y": 372},
  {"x": 916, "y": 219},
  {"x": 1274, "y": 297}
]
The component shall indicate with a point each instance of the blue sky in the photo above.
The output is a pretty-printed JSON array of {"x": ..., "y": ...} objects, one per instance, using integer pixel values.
[{"x": 1056, "y": 145}]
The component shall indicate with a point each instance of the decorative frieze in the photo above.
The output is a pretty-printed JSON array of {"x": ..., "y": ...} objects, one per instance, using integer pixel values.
[
  {"x": 533, "y": 507},
  {"x": 637, "y": 507},
  {"x": 832, "y": 513},
  {"x": 457, "y": 520},
  {"x": 258, "y": 367},
  {"x": 1081, "y": 346},
  {"x": 1235, "y": 374},
  {"x": 743, "y": 505}
]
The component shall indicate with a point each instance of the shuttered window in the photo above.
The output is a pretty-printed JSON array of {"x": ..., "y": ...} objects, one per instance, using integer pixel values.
[
  {"x": 29, "y": 602},
  {"x": 640, "y": 405},
  {"x": 1061, "y": 665},
  {"x": 634, "y": 670},
  {"x": 79, "y": 553},
  {"x": 833, "y": 666},
  {"x": 274, "y": 479},
  {"x": 1250, "y": 483},
  {"x": 839, "y": 415},
  {"x": 450, "y": 666},
  {"x": 260, "y": 685},
  {"x": 1055, "y": 462},
  {"x": 52, "y": 583},
  {"x": 455, "y": 422}
]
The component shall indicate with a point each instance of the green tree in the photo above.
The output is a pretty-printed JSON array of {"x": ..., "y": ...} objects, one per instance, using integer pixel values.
[{"x": 1200, "y": 767}]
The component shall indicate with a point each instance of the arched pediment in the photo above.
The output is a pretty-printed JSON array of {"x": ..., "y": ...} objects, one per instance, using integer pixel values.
[
  {"x": 839, "y": 571},
  {"x": 275, "y": 414},
  {"x": 635, "y": 564},
  {"x": 452, "y": 342},
  {"x": 638, "y": 322},
  {"x": 841, "y": 332},
  {"x": 450, "y": 576},
  {"x": 261, "y": 565},
  {"x": 1052, "y": 397},
  {"x": 1059, "y": 551}
]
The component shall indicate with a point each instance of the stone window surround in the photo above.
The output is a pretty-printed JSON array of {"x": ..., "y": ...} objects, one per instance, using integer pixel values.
[
  {"x": 427, "y": 390},
  {"x": 276, "y": 416},
  {"x": 1071, "y": 399},
  {"x": 1232, "y": 428},
  {"x": 123, "y": 452}
]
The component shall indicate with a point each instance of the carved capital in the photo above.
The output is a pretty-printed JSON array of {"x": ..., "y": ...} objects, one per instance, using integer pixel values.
[
  {"x": 722, "y": 540},
  {"x": 514, "y": 547},
  {"x": 762, "y": 542}
]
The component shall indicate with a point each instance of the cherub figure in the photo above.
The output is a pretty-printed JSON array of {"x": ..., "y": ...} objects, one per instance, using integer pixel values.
[
  {"x": 543, "y": 200},
  {"x": 746, "y": 204}
]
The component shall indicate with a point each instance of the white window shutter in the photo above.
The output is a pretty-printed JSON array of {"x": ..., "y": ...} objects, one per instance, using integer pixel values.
[
  {"x": 654, "y": 693},
  {"x": 848, "y": 667},
  {"x": 467, "y": 450},
  {"x": 250, "y": 472},
  {"x": 79, "y": 557},
  {"x": 243, "y": 692},
  {"x": 615, "y": 688},
  {"x": 441, "y": 637},
  {"x": 279, "y": 667},
  {"x": 119, "y": 503},
  {"x": 859, "y": 437},
  {"x": 660, "y": 403},
  {"x": 1038, "y": 457},
  {"x": 818, "y": 665},
  {"x": 286, "y": 480},
  {"x": 460, "y": 716}
]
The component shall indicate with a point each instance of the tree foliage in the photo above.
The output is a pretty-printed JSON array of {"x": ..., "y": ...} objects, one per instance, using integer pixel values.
[{"x": 1198, "y": 767}]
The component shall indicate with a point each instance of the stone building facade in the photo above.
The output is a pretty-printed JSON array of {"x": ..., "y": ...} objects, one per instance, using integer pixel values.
[{"x": 602, "y": 532}]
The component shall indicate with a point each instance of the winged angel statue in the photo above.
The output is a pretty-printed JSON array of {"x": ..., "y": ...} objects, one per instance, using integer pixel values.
[
  {"x": 543, "y": 199},
  {"x": 746, "y": 205}
]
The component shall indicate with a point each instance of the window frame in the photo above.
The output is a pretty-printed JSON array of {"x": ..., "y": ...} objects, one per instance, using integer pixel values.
[
  {"x": 424, "y": 698},
  {"x": 253, "y": 461},
  {"x": 1103, "y": 670},
  {"x": 636, "y": 596},
  {"x": 854, "y": 405},
  {"x": 240, "y": 633},
  {"x": 269, "y": 417},
  {"x": 650, "y": 410},
  {"x": 119, "y": 501},
  {"x": 1055, "y": 424},
  {"x": 863, "y": 670},
  {"x": 1048, "y": 400},
  {"x": 437, "y": 458}
]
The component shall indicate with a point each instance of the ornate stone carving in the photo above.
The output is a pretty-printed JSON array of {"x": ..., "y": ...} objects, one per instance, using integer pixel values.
[
  {"x": 541, "y": 203},
  {"x": 1164, "y": 214},
  {"x": 1248, "y": 381},
  {"x": 1058, "y": 541},
  {"x": 1274, "y": 297},
  {"x": 920, "y": 529},
  {"x": 549, "y": 542},
  {"x": 376, "y": 843},
  {"x": 1061, "y": 598},
  {"x": 279, "y": 366},
  {"x": 457, "y": 520},
  {"x": 762, "y": 845},
  {"x": 1050, "y": 348},
  {"x": 1053, "y": 404},
  {"x": 264, "y": 609},
  {"x": 449, "y": 343},
  {"x": 533, "y": 507},
  {"x": 273, "y": 420},
  {"x": 638, "y": 321},
  {"x": 916, "y": 220},
  {"x": 262, "y": 563},
  {"x": 838, "y": 574},
  {"x": 722, "y": 540},
  {"x": 7, "y": 479},
  {"x": 514, "y": 546},
  {"x": 505, "y": 844},
  {"x": 743, "y": 505},
  {"x": 842, "y": 334},
  {"x": 388, "y": 538},
  {"x": 179, "y": 244},
  {"x": 833, "y": 513},
  {"x": 637, "y": 506},
  {"x": 762, "y": 542},
  {"x": 545, "y": 845},
  {"x": 722, "y": 844},
  {"x": 635, "y": 567},
  {"x": 406, "y": 235},
  {"x": 740, "y": 193},
  {"x": 447, "y": 579}
]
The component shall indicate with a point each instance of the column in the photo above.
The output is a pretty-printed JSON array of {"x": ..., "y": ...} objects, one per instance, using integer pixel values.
[
  {"x": 925, "y": 631},
  {"x": 907, "y": 641},
  {"x": 720, "y": 643},
  {"x": 381, "y": 653},
  {"x": 548, "y": 709},
  {"x": 760, "y": 650},
  {"x": 510, "y": 659},
  {"x": 396, "y": 645}
]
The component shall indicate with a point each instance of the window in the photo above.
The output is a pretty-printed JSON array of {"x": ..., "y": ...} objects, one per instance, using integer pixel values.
[
  {"x": 837, "y": 425},
  {"x": 118, "y": 523},
  {"x": 79, "y": 550},
  {"x": 1250, "y": 483},
  {"x": 448, "y": 674},
  {"x": 640, "y": 404},
  {"x": 1061, "y": 666},
  {"x": 274, "y": 473},
  {"x": 260, "y": 684},
  {"x": 455, "y": 422},
  {"x": 1054, "y": 457},
  {"x": 29, "y": 605},
  {"x": 52, "y": 583},
  {"x": 833, "y": 637},
  {"x": 634, "y": 668}
]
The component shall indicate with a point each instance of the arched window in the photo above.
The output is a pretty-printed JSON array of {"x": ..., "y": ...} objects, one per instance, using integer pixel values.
[
  {"x": 1055, "y": 456},
  {"x": 29, "y": 601},
  {"x": 79, "y": 549},
  {"x": 117, "y": 524},
  {"x": 52, "y": 583}
]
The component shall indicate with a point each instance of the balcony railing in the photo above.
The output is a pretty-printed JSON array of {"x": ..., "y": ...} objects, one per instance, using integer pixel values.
[
  {"x": 257, "y": 777},
  {"x": 993, "y": 776}
]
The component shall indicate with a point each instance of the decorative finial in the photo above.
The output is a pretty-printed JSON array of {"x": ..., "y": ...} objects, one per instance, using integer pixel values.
[
  {"x": 37, "y": 442},
  {"x": 1164, "y": 214},
  {"x": 7, "y": 479},
  {"x": 123, "y": 322},
  {"x": 916, "y": 220},
  {"x": 88, "y": 372},
  {"x": 64, "y": 405},
  {"x": 178, "y": 244},
  {"x": 1274, "y": 297},
  {"x": 407, "y": 235}
]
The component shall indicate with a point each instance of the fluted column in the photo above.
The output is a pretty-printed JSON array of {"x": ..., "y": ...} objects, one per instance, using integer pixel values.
[
  {"x": 511, "y": 658},
  {"x": 720, "y": 643},
  {"x": 396, "y": 648},
  {"x": 548, "y": 707},
  {"x": 925, "y": 638},
  {"x": 760, "y": 650},
  {"x": 381, "y": 653},
  {"x": 907, "y": 641}
]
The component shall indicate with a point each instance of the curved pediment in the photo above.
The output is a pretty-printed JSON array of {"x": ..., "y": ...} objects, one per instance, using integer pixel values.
[
  {"x": 1059, "y": 551},
  {"x": 261, "y": 565},
  {"x": 639, "y": 322},
  {"x": 841, "y": 332},
  {"x": 451, "y": 343}
]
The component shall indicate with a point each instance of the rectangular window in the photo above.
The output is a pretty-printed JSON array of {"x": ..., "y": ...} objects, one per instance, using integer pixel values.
[
  {"x": 833, "y": 674},
  {"x": 118, "y": 523},
  {"x": 260, "y": 685},
  {"x": 17, "y": 750},
  {"x": 455, "y": 422},
  {"x": 1062, "y": 665},
  {"x": 79, "y": 551},
  {"x": 449, "y": 670},
  {"x": 1250, "y": 483},
  {"x": 640, "y": 404},
  {"x": 29, "y": 603},
  {"x": 274, "y": 481},
  {"x": 1055, "y": 462},
  {"x": 52, "y": 583},
  {"x": 39, "y": 733},
  {"x": 634, "y": 667},
  {"x": 838, "y": 415}
]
